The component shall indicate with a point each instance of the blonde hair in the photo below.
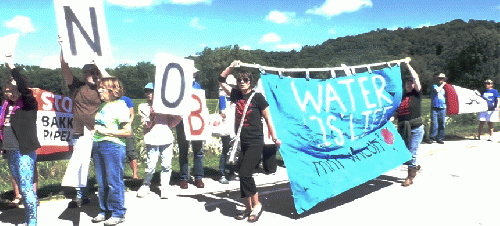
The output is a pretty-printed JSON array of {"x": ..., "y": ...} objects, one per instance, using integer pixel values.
[{"x": 113, "y": 85}]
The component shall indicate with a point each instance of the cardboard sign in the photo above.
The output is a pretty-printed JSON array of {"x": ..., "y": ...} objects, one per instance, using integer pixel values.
[
  {"x": 196, "y": 123},
  {"x": 54, "y": 125},
  {"x": 173, "y": 85},
  {"x": 83, "y": 32}
]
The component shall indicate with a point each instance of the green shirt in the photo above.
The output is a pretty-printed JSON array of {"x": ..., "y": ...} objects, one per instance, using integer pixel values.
[{"x": 110, "y": 116}]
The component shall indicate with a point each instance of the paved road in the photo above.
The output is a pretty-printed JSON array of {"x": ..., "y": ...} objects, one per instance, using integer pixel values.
[{"x": 457, "y": 185}]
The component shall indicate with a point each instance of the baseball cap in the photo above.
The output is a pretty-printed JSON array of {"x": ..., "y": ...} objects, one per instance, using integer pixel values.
[
  {"x": 89, "y": 67},
  {"x": 149, "y": 86}
]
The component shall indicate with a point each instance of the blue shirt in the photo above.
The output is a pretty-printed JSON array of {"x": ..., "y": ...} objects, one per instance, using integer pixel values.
[
  {"x": 438, "y": 98},
  {"x": 128, "y": 101},
  {"x": 491, "y": 97}
]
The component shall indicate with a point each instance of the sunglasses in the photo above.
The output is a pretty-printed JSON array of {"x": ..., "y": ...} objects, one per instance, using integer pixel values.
[
  {"x": 487, "y": 83},
  {"x": 243, "y": 80}
]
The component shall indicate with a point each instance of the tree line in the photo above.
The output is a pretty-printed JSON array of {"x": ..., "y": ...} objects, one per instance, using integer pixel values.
[{"x": 467, "y": 52}]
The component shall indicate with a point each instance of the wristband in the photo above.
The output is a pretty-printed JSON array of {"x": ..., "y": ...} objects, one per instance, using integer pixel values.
[{"x": 222, "y": 79}]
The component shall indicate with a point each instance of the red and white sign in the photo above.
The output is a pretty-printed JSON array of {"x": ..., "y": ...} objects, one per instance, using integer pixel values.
[
  {"x": 196, "y": 124},
  {"x": 54, "y": 122}
]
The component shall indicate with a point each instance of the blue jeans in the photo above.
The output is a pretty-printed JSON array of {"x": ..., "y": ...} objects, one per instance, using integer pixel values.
[
  {"x": 197, "y": 147},
  {"x": 108, "y": 162},
  {"x": 153, "y": 153},
  {"x": 438, "y": 120},
  {"x": 222, "y": 162},
  {"x": 22, "y": 168},
  {"x": 413, "y": 144}
]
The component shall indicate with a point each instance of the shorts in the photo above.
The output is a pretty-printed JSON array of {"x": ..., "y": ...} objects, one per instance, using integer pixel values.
[
  {"x": 130, "y": 147},
  {"x": 489, "y": 116}
]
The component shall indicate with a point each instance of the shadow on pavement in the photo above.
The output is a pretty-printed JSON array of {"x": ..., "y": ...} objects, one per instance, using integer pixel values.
[
  {"x": 73, "y": 214},
  {"x": 278, "y": 198}
]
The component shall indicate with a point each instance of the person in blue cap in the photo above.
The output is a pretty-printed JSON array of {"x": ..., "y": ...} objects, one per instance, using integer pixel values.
[{"x": 159, "y": 141}]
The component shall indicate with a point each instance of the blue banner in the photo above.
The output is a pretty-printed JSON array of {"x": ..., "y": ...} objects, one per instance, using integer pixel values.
[{"x": 335, "y": 132}]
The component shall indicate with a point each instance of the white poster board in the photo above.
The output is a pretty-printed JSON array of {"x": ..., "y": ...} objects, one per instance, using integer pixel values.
[
  {"x": 173, "y": 85},
  {"x": 7, "y": 47},
  {"x": 196, "y": 123},
  {"x": 83, "y": 32}
]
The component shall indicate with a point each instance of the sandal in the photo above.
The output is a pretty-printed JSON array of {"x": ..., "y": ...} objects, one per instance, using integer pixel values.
[
  {"x": 15, "y": 202},
  {"x": 256, "y": 212},
  {"x": 243, "y": 214}
]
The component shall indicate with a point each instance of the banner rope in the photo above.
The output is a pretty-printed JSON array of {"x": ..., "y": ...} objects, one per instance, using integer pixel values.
[{"x": 349, "y": 70}]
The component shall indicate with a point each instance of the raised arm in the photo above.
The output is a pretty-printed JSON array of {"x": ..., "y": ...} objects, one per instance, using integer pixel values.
[
  {"x": 414, "y": 75},
  {"x": 222, "y": 79},
  {"x": 67, "y": 74}
]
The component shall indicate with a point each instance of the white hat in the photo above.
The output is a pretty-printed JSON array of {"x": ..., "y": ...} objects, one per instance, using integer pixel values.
[{"x": 442, "y": 75}]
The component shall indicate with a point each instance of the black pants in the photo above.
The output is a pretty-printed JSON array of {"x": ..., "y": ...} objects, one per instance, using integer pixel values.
[
  {"x": 269, "y": 158},
  {"x": 251, "y": 154}
]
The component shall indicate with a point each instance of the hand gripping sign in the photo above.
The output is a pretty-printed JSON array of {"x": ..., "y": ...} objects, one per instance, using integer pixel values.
[{"x": 82, "y": 29}]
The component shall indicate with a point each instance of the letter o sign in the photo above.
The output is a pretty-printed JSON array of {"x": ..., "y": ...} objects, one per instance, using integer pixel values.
[{"x": 174, "y": 104}]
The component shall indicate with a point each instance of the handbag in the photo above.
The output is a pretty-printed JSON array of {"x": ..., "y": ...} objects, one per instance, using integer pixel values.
[{"x": 233, "y": 154}]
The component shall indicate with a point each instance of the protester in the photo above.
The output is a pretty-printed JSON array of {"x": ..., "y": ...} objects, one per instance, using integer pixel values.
[
  {"x": 18, "y": 137},
  {"x": 227, "y": 113},
  {"x": 112, "y": 126},
  {"x": 438, "y": 110},
  {"x": 252, "y": 137},
  {"x": 491, "y": 96},
  {"x": 410, "y": 124},
  {"x": 159, "y": 141},
  {"x": 197, "y": 147},
  {"x": 86, "y": 102},
  {"x": 130, "y": 145}
]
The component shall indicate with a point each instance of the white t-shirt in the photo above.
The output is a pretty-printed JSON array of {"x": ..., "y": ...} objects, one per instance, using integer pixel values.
[{"x": 160, "y": 134}]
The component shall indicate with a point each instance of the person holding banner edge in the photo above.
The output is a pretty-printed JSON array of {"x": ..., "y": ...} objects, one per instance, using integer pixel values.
[
  {"x": 410, "y": 124},
  {"x": 438, "y": 110},
  {"x": 252, "y": 137},
  {"x": 491, "y": 96},
  {"x": 18, "y": 137}
]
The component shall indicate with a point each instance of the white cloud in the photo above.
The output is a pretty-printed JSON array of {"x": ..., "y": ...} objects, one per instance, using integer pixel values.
[
  {"x": 336, "y": 7},
  {"x": 129, "y": 62},
  {"x": 203, "y": 45},
  {"x": 51, "y": 62},
  {"x": 393, "y": 28},
  {"x": 149, "y": 3},
  {"x": 425, "y": 25},
  {"x": 280, "y": 17},
  {"x": 21, "y": 23},
  {"x": 195, "y": 23},
  {"x": 270, "y": 37},
  {"x": 246, "y": 47},
  {"x": 289, "y": 46},
  {"x": 332, "y": 31}
]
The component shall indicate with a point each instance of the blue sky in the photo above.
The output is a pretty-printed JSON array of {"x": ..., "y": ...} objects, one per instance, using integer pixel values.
[{"x": 139, "y": 30}]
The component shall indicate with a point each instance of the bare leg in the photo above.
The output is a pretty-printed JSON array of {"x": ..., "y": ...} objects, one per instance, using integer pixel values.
[
  {"x": 490, "y": 127},
  {"x": 480, "y": 130},
  {"x": 133, "y": 166},
  {"x": 15, "y": 188}
]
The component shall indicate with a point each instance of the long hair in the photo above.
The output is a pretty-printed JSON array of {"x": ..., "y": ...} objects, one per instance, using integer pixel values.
[{"x": 113, "y": 85}]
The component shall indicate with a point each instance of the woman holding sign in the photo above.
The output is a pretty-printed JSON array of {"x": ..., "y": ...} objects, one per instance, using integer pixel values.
[
  {"x": 112, "y": 126},
  {"x": 252, "y": 137},
  {"x": 410, "y": 124},
  {"x": 18, "y": 137}
]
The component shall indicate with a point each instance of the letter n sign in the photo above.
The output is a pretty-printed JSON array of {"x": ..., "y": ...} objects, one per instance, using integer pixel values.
[{"x": 83, "y": 31}]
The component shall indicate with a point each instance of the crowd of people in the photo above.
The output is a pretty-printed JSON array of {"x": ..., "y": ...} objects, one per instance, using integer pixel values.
[{"x": 103, "y": 114}]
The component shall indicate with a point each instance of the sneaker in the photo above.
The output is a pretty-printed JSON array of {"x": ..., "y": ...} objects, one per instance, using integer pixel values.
[
  {"x": 223, "y": 180},
  {"x": 143, "y": 191},
  {"x": 99, "y": 218},
  {"x": 440, "y": 142},
  {"x": 114, "y": 221}
]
